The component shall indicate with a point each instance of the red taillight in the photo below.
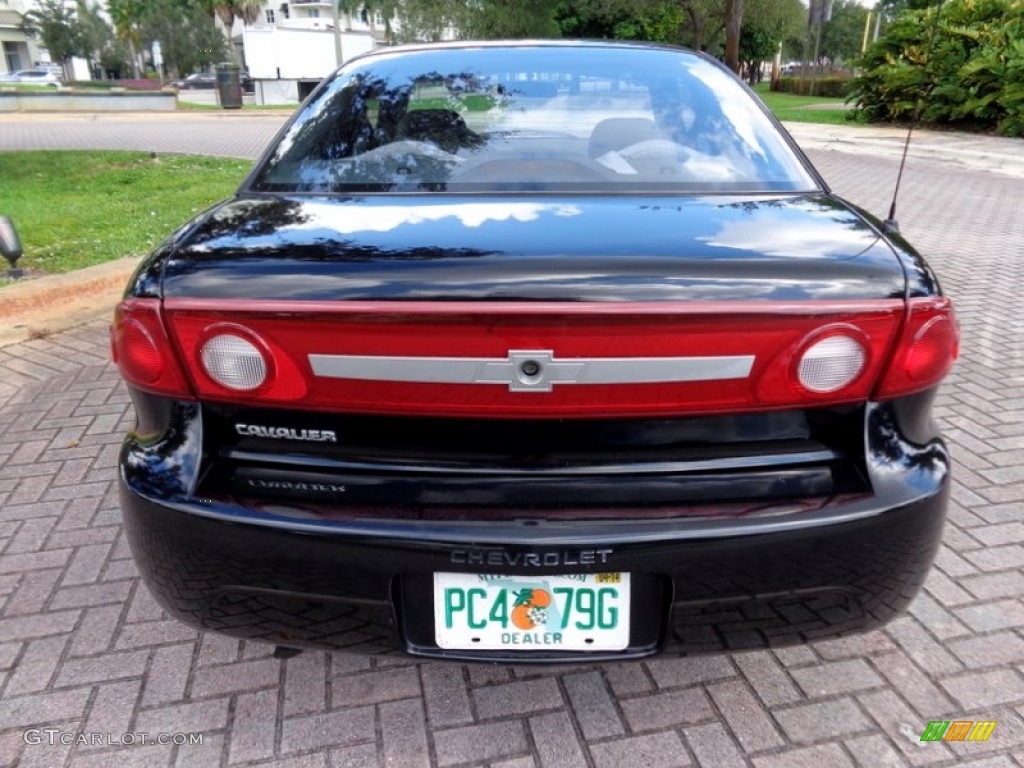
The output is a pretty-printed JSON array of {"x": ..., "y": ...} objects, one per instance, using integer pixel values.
[
  {"x": 927, "y": 349},
  {"x": 471, "y": 360},
  {"x": 141, "y": 350},
  {"x": 137, "y": 353},
  {"x": 298, "y": 354}
]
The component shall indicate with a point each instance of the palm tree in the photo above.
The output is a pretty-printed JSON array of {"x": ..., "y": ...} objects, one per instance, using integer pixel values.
[
  {"x": 230, "y": 10},
  {"x": 126, "y": 14},
  {"x": 248, "y": 11}
]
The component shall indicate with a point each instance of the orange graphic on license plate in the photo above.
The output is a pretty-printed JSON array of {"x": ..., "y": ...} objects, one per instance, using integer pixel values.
[{"x": 531, "y": 608}]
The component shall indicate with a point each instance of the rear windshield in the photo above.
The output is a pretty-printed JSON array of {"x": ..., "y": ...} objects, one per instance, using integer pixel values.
[{"x": 593, "y": 119}]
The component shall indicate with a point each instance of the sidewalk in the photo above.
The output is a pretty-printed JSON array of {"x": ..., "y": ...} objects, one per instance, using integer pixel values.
[{"x": 994, "y": 154}]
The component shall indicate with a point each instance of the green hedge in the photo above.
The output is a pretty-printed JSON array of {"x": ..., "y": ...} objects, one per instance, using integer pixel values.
[
  {"x": 829, "y": 86},
  {"x": 966, "y": 69},
  {"x": 106, "y": 85}
]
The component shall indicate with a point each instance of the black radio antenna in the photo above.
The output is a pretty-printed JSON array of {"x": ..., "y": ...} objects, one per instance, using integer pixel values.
[{"x": 890, "y": 226}]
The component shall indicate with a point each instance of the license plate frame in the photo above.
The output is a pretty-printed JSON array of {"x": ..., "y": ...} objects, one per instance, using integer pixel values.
[{"x": 492, "y": 616}]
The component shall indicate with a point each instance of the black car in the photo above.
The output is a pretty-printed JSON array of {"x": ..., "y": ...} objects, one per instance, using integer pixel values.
[
  {"x": 535, "y": 351},
  {"x": 208, "y": 80},
  {"x": 200, "y": 80}
]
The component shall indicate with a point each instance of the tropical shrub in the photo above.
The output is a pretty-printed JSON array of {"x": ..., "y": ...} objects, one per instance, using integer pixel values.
[{"x": 966, "y": 67}]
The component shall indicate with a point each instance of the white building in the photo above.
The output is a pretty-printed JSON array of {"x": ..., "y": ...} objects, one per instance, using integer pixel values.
[
  {"x": 20, "y": 51},
  {"x": 24, "y": 52},
  {"x": 292, "y": 46},
  {"x": 286, "y": 63},
  {"x": 317, "y": 14},
  {"x": 308, "y": 15}
]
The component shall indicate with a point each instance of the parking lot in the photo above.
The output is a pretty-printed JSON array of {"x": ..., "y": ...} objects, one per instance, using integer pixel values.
[{"x": 85, "y": 649}]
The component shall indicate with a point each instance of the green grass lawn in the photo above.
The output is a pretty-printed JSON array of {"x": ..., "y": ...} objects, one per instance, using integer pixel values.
[
  {"x": 28, "y": 87},
  {"x": 76, "y": 209},
  {"x": 789, "y": 106}
]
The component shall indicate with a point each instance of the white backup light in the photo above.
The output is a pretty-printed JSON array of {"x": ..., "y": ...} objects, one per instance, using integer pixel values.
[
  {"x": 234, "y": 362},
  {"x": 831, "y": 364}
]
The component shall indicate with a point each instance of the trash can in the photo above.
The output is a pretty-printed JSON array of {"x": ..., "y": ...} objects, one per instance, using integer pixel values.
[{"x": 229, "y": 86}]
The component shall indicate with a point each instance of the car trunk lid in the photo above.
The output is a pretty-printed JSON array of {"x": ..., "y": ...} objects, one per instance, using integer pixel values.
[{"x": 517, "y": 248}]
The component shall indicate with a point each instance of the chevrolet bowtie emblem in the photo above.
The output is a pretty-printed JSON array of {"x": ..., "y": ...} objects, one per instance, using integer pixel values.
[{"x": 532, "y": 370}]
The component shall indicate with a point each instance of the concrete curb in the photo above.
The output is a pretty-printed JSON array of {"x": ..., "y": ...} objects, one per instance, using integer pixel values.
[{"x": 43, "y": 306}]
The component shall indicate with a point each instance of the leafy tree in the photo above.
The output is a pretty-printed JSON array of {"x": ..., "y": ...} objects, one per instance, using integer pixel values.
[
  {"x": 841, "y": 38},
  {"x": 714, "y": 25},
  {"x": 658, "y": 22},
  {"x": 491, "y": 19},
  {"x": 706, "y": 22},
  {"x": 95, "y": 34},
  {"x": 710, "y": 24},
  {"x": 655, "y": 20},
  {"x": 419, "y": 19},
  {"x": 189, "y": 42},
  {"x": 757, "y": 44},
  {"x": 188, "y": 39},
  {"x": 479, "y": 19},
  {"x": 767, "y": 24},
  {"x": 57, "y": 28},
  {"x": 895, "y": 7},
  {"x": 246, "y": 11},
  {"x": 127, "y": 16},
  {"x": 585, "y": 18},
  {"x": 115, "y": 60}
]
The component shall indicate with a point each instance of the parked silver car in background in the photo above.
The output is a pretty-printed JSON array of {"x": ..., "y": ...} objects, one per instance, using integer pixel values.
[{"x": 29, "y": 76}]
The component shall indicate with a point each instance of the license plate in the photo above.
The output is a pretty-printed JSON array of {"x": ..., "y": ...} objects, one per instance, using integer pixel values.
[{"x": 577, "y": 612}]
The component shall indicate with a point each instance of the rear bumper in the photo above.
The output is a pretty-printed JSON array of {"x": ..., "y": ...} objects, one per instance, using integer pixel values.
[{"x": 699, "y": 584}]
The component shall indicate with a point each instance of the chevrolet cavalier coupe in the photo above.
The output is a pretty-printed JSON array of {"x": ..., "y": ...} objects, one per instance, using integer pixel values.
[{"x": 534, "y": 351}]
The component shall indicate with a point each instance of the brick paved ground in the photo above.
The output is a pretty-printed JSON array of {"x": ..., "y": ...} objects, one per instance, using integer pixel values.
[{"x": 83, "y": 646}]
